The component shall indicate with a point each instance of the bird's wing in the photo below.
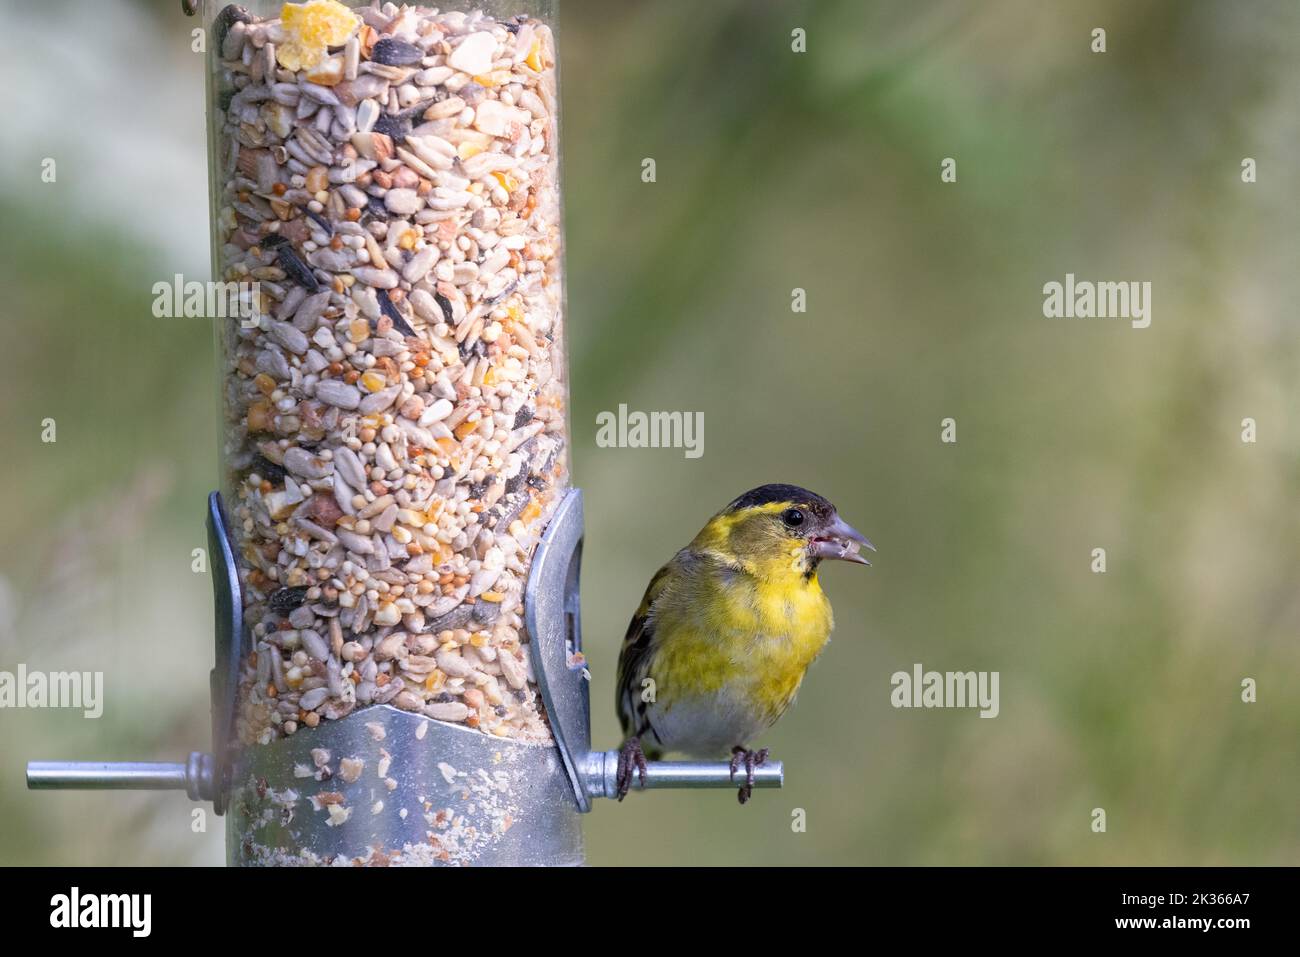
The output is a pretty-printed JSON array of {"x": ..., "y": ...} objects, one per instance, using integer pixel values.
[{"x": 632, "y": 659}]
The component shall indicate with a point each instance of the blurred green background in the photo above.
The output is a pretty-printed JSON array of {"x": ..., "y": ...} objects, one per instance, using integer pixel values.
[{"x": 775, "y": 170}]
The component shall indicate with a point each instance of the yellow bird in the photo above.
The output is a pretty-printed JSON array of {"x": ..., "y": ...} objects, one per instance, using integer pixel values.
[{"x": 716, "y": 651}]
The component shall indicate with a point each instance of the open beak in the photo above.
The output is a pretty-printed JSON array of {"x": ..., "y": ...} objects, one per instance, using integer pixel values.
[{"x": 841, "y": 542}]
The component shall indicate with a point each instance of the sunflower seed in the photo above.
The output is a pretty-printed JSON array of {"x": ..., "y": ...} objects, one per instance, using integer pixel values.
[
  {"x": 301, "y": 462},
  {"x": 349, "y": 466},
  {"x": 355, "y": 543},
  {"x": 396, "y": 52},
  {"x": 351, "y": 57},
  {"x": 379, "y": 278},
  {"x": 447, "y": 711},
  {"x": 337, "y": 393},
  {"x": 311, "y": 700},
  {"x": 289, "y": 337},
  {"x": 379, "y": 401}
]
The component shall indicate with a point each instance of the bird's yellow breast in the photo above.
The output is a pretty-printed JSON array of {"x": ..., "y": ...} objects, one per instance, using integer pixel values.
[{"x": 749, "y": 635}]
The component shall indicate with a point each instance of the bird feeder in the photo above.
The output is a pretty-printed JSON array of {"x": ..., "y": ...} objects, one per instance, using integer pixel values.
[{"x": 399, "y": 675}]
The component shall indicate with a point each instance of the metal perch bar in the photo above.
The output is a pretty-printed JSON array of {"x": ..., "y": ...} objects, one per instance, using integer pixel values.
[
  {"x": 602, "y": 767},
  {"x": 193, "y": 777}
]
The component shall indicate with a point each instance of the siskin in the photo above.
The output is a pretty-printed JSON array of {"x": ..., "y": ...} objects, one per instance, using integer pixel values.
[{"x": 716, "y": 651}]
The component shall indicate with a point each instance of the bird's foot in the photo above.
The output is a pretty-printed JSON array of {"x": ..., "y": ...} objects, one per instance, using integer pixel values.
[
  {"x": 751, "y": 760},
  {"x": 630, "y": 757}
]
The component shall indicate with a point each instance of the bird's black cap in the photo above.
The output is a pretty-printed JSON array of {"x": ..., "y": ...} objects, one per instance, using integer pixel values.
[{"x": 767, "y": 494}]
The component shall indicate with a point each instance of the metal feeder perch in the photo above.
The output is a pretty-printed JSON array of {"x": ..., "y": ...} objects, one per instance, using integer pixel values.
[{"x": 469, "y": 797}]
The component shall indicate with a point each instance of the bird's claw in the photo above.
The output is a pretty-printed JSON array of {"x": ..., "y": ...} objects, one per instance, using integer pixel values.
[
  {"x": 751, "y": 760},
  {"x": 629, "y": 756}
]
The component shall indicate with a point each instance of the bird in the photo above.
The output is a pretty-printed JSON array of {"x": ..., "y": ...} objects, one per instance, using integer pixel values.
[{"x": 720, "y": 643}]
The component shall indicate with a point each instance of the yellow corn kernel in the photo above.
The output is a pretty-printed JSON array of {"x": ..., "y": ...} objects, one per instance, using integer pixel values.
[
  {"x": 494, "y": 79},
  {"x": 508, "y": 182},
  {"x": 358, "y": 330},
  {"x": 409, "y": 516},
  {"x": 372, "y": 381},
  {"x": 534, "y": 58}
]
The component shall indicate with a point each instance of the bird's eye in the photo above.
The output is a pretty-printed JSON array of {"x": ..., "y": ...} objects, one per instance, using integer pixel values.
[{"x": 792, "y": 517}]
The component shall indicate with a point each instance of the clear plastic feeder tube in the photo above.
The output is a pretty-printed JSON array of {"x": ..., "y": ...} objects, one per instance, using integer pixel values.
[{"x": 385, "y": 189}]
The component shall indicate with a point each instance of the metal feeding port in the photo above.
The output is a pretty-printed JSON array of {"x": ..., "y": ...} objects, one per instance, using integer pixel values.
[{"x": 386, "y": 786}]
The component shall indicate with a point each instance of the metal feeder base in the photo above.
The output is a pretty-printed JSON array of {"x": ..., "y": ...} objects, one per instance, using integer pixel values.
[{"x": 425, "y": 793}]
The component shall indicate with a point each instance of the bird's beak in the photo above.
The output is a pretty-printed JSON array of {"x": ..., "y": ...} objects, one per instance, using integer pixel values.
[{"x": 841, "y": 541}]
